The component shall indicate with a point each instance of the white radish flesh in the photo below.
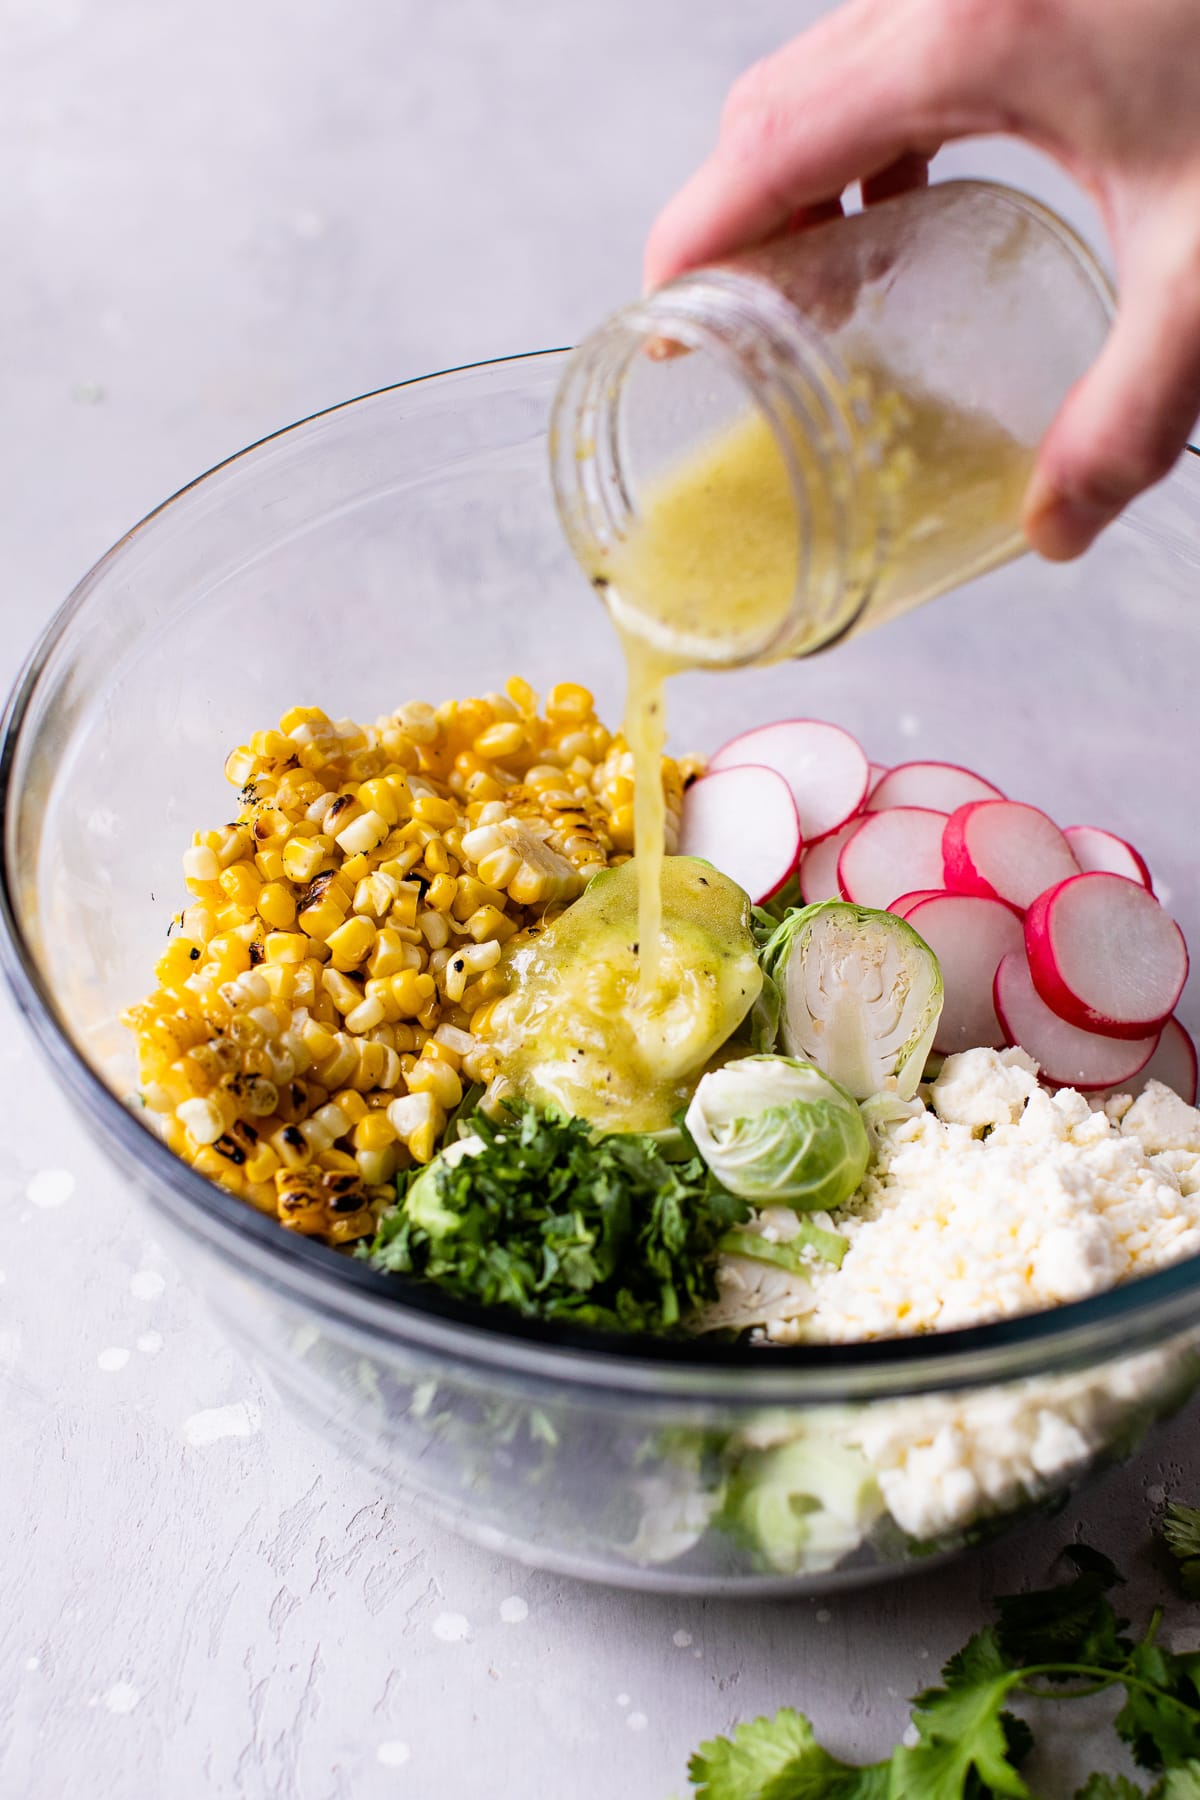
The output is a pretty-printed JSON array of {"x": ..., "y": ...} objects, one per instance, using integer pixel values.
[
  {"x": 1102, "y": 852},
  {"x": 1005, "y": 851},
  {"x": 818, "y": 866},
  {"x": 942, "y": 787},
  {"x": 1173, "y": 1063},
  {"x": 1105, "y": 955},
  {"x": 1066, "y": 1056},
  {"x": 892, "y": 853},
  {"x": 969, "y": 936},
  {"x": 743, "y": 821},
  {"x": 826, "y": 769},
  {"x": 904, "y": 905}
]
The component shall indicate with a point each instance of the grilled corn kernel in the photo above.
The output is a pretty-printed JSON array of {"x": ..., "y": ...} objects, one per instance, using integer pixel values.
[
  {"x": 301, "y": 858},
  {"x": 351, "y": 943},
  {"x": 276, "y": 906},
  {"x": 374, "y": 1132}
]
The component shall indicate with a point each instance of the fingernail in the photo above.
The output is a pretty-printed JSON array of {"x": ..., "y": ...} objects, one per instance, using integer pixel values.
[{"x": 1060, "y": 527}]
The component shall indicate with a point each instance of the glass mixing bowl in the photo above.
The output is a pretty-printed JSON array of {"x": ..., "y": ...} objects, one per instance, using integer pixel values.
[{"x": 405, "y": 546}]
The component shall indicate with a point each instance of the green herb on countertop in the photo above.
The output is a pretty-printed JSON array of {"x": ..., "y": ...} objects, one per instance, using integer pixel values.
[
  {"x": 1059, "y": 1643},
  {"x": 1180, "y": 1534},
  {"x": 543, "y": 1215}
]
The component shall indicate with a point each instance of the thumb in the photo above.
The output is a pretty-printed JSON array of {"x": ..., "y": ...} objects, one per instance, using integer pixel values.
[{"x": 1122, "y": 427}]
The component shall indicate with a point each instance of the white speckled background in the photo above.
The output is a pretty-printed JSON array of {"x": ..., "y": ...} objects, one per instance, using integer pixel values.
[{"x": 216, "y": 219}]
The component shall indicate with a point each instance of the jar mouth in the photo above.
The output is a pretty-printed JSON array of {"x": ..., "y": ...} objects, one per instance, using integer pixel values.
[{"x": 678, "y": 370}]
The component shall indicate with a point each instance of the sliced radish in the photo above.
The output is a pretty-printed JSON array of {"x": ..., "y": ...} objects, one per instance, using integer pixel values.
[
  {"x": 1173, "y": 1063},
  {"x": 826, "y": 769},
  {"x": 1105, "y": 955},
  {"x": 1067, "y": 1056},
  {"x": 892, "y": 853},
  {"x": 875, "y": 774},
  {"x": 969, "y": 936},
  {"x": 1005, "y": 851},
  {"x": 818, "y": 866},
  {"x": 942, "y": 787},
  {"x": 743, "y": 821},
  {"x": 903, "y": 905},
  {"x": 1102, "y": 852}
]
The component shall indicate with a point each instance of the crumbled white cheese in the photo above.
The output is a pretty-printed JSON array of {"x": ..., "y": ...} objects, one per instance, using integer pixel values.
[{"x": 1003, "y": 1199}]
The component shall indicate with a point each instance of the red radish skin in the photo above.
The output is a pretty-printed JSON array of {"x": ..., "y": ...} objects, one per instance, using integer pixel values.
[
  {"x": 1003, "y": 850},
  {"x": 1105, "y": 956},
  {"x": 969, "y": 936},
  {"x": 818, "y": 866},
  {"x": 903, "y": 905},
  {"x": 1066, "y": 1056},
  {"x": 1103, "y": 853},
  {"x": 826, "y": 769},
  {"x": 744, "y": 822},
  {"x": 941, "y": 787},
  {"x": 891, "y": 853}
]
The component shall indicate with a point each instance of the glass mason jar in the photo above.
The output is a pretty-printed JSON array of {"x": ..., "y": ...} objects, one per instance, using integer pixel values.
[{"x": 907, "y": 361}]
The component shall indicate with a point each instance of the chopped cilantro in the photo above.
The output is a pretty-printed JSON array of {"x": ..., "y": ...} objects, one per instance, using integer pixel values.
[{"x": 559, "y": 1223}]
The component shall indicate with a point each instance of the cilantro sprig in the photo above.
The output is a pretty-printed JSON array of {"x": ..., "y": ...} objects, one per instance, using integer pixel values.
[
  {"x": 1059, "y": 1643},
  {"x": 558, "y": 1222}
]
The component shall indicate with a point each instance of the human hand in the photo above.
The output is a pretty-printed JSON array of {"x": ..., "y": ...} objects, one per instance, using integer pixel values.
[{"x": 1110, "y": 88}]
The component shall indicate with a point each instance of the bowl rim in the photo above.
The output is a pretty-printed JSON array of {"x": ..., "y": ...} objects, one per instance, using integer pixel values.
[{"x": 1136, "y": 1315}]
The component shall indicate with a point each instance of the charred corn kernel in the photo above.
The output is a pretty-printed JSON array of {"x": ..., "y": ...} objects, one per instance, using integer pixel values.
[
  {"x": 200, "y": 865},
  {"x": 366, "y": 1015},
  {"x": 345, "y": 1228},
  {"x": 505, "y": 738},
  {"x": 522, "y": 695},
  {"x": 374, "y": 1132},
  {"x": 434, "y": 929},
  {"x": 300, "y": 1202},
  {"x": 362, "y": 834},
  {"x": 301, "y": 858},
  {"x": 440, "y": 893},
  {"x": 177, "y": 962},
  {"x": 322, "y": 918},
  {"x": 351, "y": 943},
  {"x": 276, "y": 906},
  {"x": 465, "y": 964},
  {"x": 489, "y": 922}
]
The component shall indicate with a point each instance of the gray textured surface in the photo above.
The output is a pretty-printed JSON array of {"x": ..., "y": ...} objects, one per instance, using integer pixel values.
[{"x": 215, "y": 220}]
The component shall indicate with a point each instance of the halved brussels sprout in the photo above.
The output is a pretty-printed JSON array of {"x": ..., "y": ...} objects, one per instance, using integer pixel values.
[
  {"x": 861, "y": 995},
  {"x": 774, "y": 1129}
]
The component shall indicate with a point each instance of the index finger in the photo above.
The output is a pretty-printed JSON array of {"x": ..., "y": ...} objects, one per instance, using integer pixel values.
[{"x": 840, "y": 103}]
